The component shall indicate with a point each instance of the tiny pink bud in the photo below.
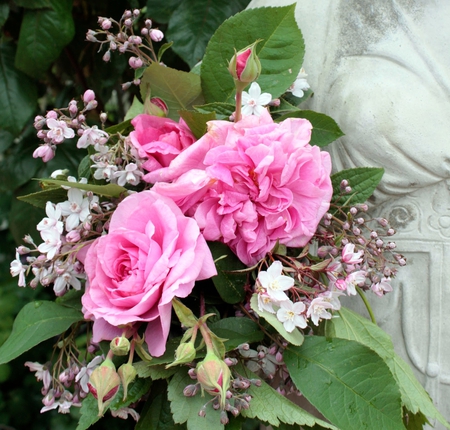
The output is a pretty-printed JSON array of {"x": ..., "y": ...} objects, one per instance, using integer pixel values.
[
  {"x": 344, "y": 183},
  {"x": 136, "y": 12},
  {"x": 245, "y": 66},
  {"x": 128, "y": 22},
  {"x": 156, "y": 35},
  {"x": 88, "y": 96},
  {"x": 107, "y": 56},
  {"x": 144, "y": 31},
  {"x": 135, "y": 62},
  {"x": 391, "y": 232},
  {"x": 82, "y": 118},
  {"x": 103, "y": 117},
  {"x": 73, "y": 236},
  {"x": 113, "y": 46},
  {"x": 135, "y": 40},
  {"x": 106, "y": 24},
  {"x": 348, "y": 189},
  {"x": 91, "y": 105},
  {"x": 51, "y": 114},
  {"x": 148, "y": 23},
  {"x": 127, "y": 14},
  {"x": 353, "y": 210}
]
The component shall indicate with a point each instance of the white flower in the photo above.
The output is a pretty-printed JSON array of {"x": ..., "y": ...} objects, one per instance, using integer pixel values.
[
  {"x": 85, "y": 372},
  {"x": 332, "y": 297},
  {"x": 52, "y": 220},
  {"x": 349, "y": 256},
  {"x": 77, "y": 208},
  {"x": 104, "y": 170},
  {"x": 253, "y": 101},
  {"x": 354, "y": 279},
  {"x": 18, "y": 269},
  {"x": 381, "y": 287},
  {"x": 92, "y": 136},
  {"x": 67, "y": 276},
  {"x": 42, "y": 373},
  {"x": 291, "y": 315},
  {"x": 52, "y": 242},
  {"x": 300, "y": 84},
  {"x": 58, "y": 131},
  {"x": 130, "y": 175},
  {"x": 274, "y": 282},
  {"x": 318, "y": 310},
  {"x": 265, "y": 303}
]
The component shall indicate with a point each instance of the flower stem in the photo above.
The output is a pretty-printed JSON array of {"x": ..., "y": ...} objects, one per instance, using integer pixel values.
[
  {"x": 367, "y": 304},
  {"x": 237, "y": 115}
]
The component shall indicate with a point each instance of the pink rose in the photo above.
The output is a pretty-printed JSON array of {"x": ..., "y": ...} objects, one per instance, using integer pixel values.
[
  {"x": 159, "y": 140},
  {"x": 252, "y": 183},
  {"x": 151, "y": 254}
]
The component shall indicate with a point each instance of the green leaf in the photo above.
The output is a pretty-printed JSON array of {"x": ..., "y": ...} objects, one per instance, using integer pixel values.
[
  {"x": 179, "y": 90},
  {"x": 88, "y": 413},
  {"x": 295, "y": 337},
  {"x": 39, "y": 199},
  {"x": 347, "y": 382},
  {"x": 154, "y": 372},
  {"x": 110, "y": 190},
  {"x": 237, "y": 331},
  {"x": 229, "y": 285},
  {"x": 136, "y": 108},
  {"x": 18, "y": 93},
  {"x": 36, "y": 322},
  {"x": 163, "y": 49},
  {"x": 325, "y": 130},
  {"x": 270, "y": 406},
  {"x": 156, "y": 414},
  {"x": 197, "y": 122},
  {"x": 123, "y": 128},
  {"x": 414, "y": 396},
  {"x": 185, "y": 409},
  {"x": 362, "y": 180},
  {"x": 184, "y": 314},
  {"x": 222, "y": 110},
  {"x": 43, "y": 34},
  {"x": 4, "y": 13},
  {"x": 84, "y": 168},
  {"x": 194, "y": 22},
  {"x": 33, "y": 4},
  {"x": 136, "y": 390},
  {"x": 161, "y": 11},
  {"x": 280, "y": 51}
]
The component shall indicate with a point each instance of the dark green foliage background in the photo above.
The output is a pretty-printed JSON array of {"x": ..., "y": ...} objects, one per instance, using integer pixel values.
[{"x": 44, "y": 63}]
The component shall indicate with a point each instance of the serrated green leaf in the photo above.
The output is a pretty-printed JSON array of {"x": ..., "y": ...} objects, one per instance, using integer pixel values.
[
  {"x": 156, "y": 414},
  {"x": 347, "y": 382},
  {"x": 270, "y": 406},
  {"x": 196, "y": 121},
  {"x": 414, "y": 396},
  {"x": 193, "y": 22},
  {"x": 154, "y": 372},
  {"x": 18, "y": 93},
  {"x": 237, "y": 331},
  {"x": 185, "y": 409},
  {"x": 362, "y": 180},
  {"x": 280, "y": 51},
  {"x": 295, "y": 337},
  {"x": 88, "y": 413},
  {"x": 179, "y": 90},
  {"x": 39, "y": 199},
  {"x": 229, "y": 285},
  {"x": 222, "y": 110},
  {"x": 136, "y": 108},
  {"x": 36, "y": 322},
  {"x": 43, "y": 34},
  {"x": 109, "y": 190},
  {"x": 325, "y": 130},
  {"x": 136, "y": 390}
]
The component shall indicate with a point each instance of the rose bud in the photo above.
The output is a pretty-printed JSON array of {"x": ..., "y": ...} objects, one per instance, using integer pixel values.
[
  {"x": 156, "y": 107},
  {"x": 127, "y": 374},
  {"x": 120, "y": 346},
  {"x": 245, "y": 66},
  {"x": 214, "y": 377},
  {"x": 185, "y": 353},
  {"x": 104, "y": 383}
]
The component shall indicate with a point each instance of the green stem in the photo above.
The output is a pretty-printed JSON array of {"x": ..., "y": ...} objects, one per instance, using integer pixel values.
[
  {"x": 204, "y": 330},
  {"x": 367, "y": 304},
  {"x": 238, "y": 115}
]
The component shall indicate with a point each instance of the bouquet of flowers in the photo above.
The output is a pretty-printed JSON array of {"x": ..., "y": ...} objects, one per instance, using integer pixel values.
[{"x": 199, "y": 257}]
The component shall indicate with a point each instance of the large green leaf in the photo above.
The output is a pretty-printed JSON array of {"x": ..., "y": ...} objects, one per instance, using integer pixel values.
[
  {"x": 186, "y": 409},
  {"x": 414, "y": 396},
  {"x": 363, "y": 181},
  {"x": 18, "y": 93},
  {"x": 347, "y": 382},
  {"x": 325, "y": 130},
  {"x": 229, "y": 285},
  {"x": 270, "y": 406},
  {"x": 40, "y": 198},
  {"x": 193, "y": 23},
  {"x": 43, "y": 34},
  {"x": 237, "y": 331},
  {"x": 36, "y": 322},
  {"x": 280, "y": 51},
  {"x": 197, "y": 122},
  {"x": 179, "y": 90},
  {"x": 161, "y": 11},
  {"x": 109, "y": 190}
]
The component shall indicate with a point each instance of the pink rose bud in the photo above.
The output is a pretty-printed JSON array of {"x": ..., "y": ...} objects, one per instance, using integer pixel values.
[
  {"x": 156, "y": 35},
  {"x": 245, "y": 66},
  {"x": 106, "y": 24},
  {"x": 104, "y": 383},
  {"x": 120, "y": 346},
  {"x": 156, "y": 107},
  {"x": 88, "y": 96},
  {"x": 214, "y": 377}
]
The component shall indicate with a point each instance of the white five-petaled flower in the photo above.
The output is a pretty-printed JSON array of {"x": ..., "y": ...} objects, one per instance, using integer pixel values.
[
  {"x": 291, "y": 315},
  {"x": 274, "y": 283},
  {"x": 52, "y": 220},
  {"x": 52, "y": 242},
  {"x": 265, "y": 303},
  {"x": 300, "y": 84},
  {"x": 253, "y": 101},
  {"x": 92, "y": 136},
  {"x": 77, "y": 208},
  {"x": 131, "y": 174},
  {"x": 318, "y": 310},
  {"x": 18, "y": 269},
  {"x": 58, "y": 131},
  {"x": 66, "y": 276},
  {"x": 381, "y": 287}
]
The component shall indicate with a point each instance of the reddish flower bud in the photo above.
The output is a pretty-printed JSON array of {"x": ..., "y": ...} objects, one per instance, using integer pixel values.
[
  {"x": 156, "y": 107},
  {"x": 245, "y": 66}
]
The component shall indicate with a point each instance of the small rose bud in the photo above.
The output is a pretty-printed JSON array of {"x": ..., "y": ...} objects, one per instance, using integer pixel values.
[
  {"x": 185, "y": 353},
  {"x": 120, "y": 346},
  {"x": 136, "y": 12},
  {"x": 245, "y": 66},
  {"x": 127, "y": 374},
  {"x": 156, "y": 35},
  {"x": 156, "y": 107}
]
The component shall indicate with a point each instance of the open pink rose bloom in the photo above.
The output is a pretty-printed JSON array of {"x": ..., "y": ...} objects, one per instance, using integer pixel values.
[
  {"x": 252, "y": 183},
  {"x": 151, "y": 254}
]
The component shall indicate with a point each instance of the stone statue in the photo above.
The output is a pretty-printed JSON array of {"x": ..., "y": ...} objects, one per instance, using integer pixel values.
[{"x": 382, "y": 71}]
